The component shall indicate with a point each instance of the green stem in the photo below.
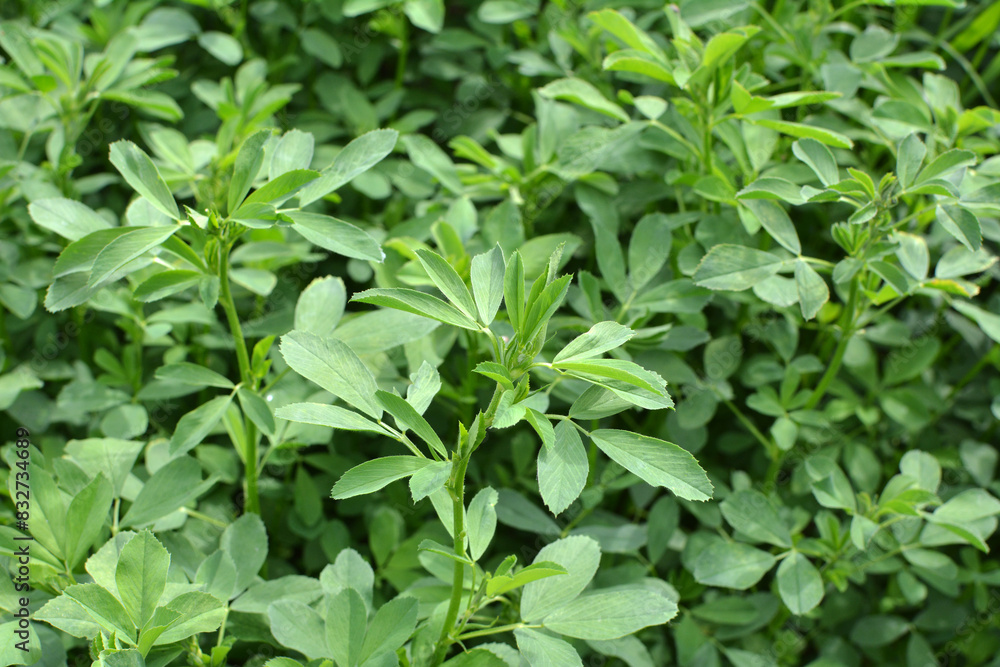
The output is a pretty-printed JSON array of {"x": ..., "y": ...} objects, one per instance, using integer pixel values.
[
  {"x": 496, "y": 630},
  {"x": 246, "y": 375},
  {"x": 847, "y": 329},
  {"x": 458, "y": 528}
]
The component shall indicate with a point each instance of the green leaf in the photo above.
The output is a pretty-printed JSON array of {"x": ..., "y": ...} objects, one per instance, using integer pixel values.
[
  {"x": 199, "y": 612},
  {"x": 418, "y": 303},
  {"x": 86, "y": 517},
  {"x": 656, "y": 462},
  {"x": 828, "y": 137},
  {"x": 648, "y": 249},
  {"x": 245, "y": 540},
  {"x": 346, "y": 622},
  {"x": 799, "y": 584},
  {"x": 944, "y": 164},
  {"x": 487, "y": 275},
  {"x": 987, "y": 321},
  {"x": 812, "y": 289},
  {"x": 298, "y": 626},
  {"x": 627, "y": 32},
  {"x": 109, "y": 457},
  {"x": 631, "y": 60},
  {"x": 448, "y": 281},
  {"x": 482, "y": 522},
  {"x": 372, "y": 475},
  {"x": 195, "y": 426},
  {"x": 320, "y": 306},
  {"x": 390, "y": 628},
  {"x": 140, "y": 172},
  {"x": 329, "y": 415},
  {"x": 543, "y": 650},
  {"x": 257, "y": 409},
  {"x": 586, "y": 95},
  {"x": 193, "y": 374},
  {"x": 104, "y": 609},
  {"x": 962, "y": 224},
  {"x": 615, "y": 369},
  {"x": 334, "y": 366},
  {"x": 735, "y": 267},
  {"x": 601, "y": 337},
  {"x": 426, "y": 14},
  {"x": 407, "y": 418},
  {"x": 751, "y": 513},
  {"x": 336, "y": 236},
  {"x": 731, "y": 565},
  {"x": 537, "y": 571},
  {"x": 354, "y": 159},
  {"x": 611, "y": 614},
  {"x": 281, "y": 188},
  {"x": 69, "y": 219},
  {"x": 428, "y": 156},
  {"x": 125, "y": 248},
  {"x": 775, "y": 220},
  {"x": 429, "y": 479},
  {"x": 248, "y": 163},
  {"x": 166, "y": 283},
  {"x": 173, "y": 485},
  {"x": 141, "y": 576},
  {"x": 909, "y": 158},
  {"x": 562, "y": 469},
  {"x": 580, "y": 556}
]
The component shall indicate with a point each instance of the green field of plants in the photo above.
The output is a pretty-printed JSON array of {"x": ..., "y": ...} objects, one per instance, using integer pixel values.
[{"x": 499, "y": 333}]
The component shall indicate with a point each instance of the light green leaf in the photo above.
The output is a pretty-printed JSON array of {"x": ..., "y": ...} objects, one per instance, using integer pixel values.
[
  {"x": 586, "y": 95},
  {"x": 336, "y": 236},
  {"x": 245, "y": 540},
  {"x": 610, "y": 614},
  {"x": 812, "y": 289},
  {"x": 407, "y": 418},
  {"x": 390, "y": 628},
  {"x": 751, "y": 513},
  {"x": 372, "y": 475},
  {"x": 355, "y": 158},
  {"x": 482, "y": 521},
  {"x": 346, "y": 622},
  {"x": 193, "y": 374},
  {"x": 298, "y": 626},
  {"x": 987, "y": 321},
  {"x": 334, "y": 366},
  {"x": 281, "y": 188},
  {"x": 775, "y": 220},
  {"x": 487, "y": 276},
  {"x": 69, "y": 219},
  {"x": 257, "y": 409},
  {"x": 648, "y": 249},
  {"x": 140, "y": 172},
  {"x": 320, "y": 306},
  {"x": 909, "y": 158},
  {"x": 248, "y": 163},
  {"x": 828, "y": 137},
  {"x": 562, "y": 468},
  {"x": 199, "y": 612},
  {"x": 426, "y": 14},
  {"x": 735, "y": 267},
  {"x": 125, "y": 248},
  {"x": 141, "y": 576},
  {"x": 193, "y": 427},
  {"x": 731, "y": 565},
  {"x": 580, "y": 556},
  {"x": 104, "y": 609},
  {"x": 429, "y": 479},
  {"x": 800, "y": 584},
  {"x": 329, "y": 415},
  {"x": 601, "y": 337},
  {"x": 173, "y": 485},
  {"x": 543, "y": 650},
  {"x": 448, "y": 281},
  {"x": 502, "y": 583},
  {"x": 656, "y": 462},
  {"x": 961, "y": 223},
  {"x": 418, "y": 303},
  {"x": 428, "y": 156}
]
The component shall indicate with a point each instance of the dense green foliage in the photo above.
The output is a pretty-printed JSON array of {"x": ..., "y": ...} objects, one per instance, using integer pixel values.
[{"x": 362, "y": 333}]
